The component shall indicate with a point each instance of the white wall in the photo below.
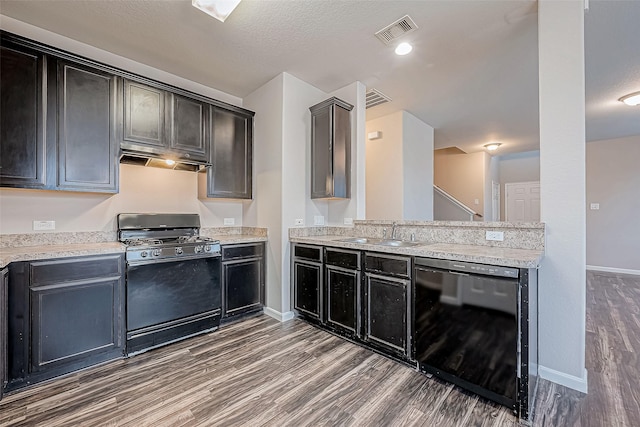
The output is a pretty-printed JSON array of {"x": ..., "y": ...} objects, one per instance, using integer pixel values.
[
  {"x": 399, "y": 168},
  {"x": 462, "y": 175},
  {"x": 562, "y": 278},
  {"x": 141, "y": 190},
  {"x": 417, "y": 168},
  {"x": 613, "y": 181},
  {"x": 384, "y": 181},
  {"x": 266, "y": 208}
]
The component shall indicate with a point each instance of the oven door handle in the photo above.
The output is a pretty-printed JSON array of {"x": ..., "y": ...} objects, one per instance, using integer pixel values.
[{"x": 163, "y": 260}]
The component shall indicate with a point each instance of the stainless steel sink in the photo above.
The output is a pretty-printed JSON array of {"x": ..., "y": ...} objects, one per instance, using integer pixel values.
[
  {"x": 381, "y": 242},
  {"x": 397, "y": 243},
  {"x": 362, "y": 240}
]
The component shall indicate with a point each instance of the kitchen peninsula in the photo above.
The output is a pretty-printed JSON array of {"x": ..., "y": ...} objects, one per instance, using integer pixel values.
[{"x": 454, "y": 299}]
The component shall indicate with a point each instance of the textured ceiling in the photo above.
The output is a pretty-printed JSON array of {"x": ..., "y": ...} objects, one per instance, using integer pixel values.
[{"x": 472, "y": 74}]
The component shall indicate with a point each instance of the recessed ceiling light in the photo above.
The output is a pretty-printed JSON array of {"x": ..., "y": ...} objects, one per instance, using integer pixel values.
[
  {"x": 403, "y": 48},
  {"x": 493, "y": 146},
  {"x": 219, "y": 9},
  {"x": 632, "y": 99}
]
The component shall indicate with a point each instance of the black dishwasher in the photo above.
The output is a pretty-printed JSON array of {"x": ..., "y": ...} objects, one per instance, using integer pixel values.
[{"x": 466, "y": 320}]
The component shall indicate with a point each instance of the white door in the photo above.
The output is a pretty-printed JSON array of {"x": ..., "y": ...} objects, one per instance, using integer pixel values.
[
  {"x": 522, "y": 201},
  {"x": 495, "y": 200}
]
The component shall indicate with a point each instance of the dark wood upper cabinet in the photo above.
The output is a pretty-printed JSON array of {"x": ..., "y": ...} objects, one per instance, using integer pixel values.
[
  {"x": 164, "y": 123},
  {"x": 331, "y": 149},
  {"x": 143, "y": 114},
  {"x": 231, "y": 155},
  {"x": 86, "y": 145},
  {"x": 188, "y": 126},
  {"x": 22, "y": 134}
]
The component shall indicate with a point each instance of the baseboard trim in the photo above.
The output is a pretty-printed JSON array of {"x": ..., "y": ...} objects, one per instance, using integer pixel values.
[
  {"x": 280, "y": 317},
  {"x": 564, "y": 379},
  {"x": 613, "y": 270}
]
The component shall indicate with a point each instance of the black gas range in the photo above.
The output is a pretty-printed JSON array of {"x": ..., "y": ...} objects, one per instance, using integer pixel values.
[{"x": 172, "y": 279}]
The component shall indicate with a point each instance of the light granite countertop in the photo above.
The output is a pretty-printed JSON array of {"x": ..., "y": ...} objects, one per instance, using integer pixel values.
[
  {"x": 507, "y": 257},
  {"x": 32, "y": 253},
  {"x": 11, "y": 254}
]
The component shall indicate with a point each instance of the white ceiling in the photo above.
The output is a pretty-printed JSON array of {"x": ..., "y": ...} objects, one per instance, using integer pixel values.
[{"x": 473, "y": 73}]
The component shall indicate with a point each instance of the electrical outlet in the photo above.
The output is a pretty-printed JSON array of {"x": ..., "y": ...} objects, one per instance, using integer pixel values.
[
  {"x": 299, "y": 221},
  {"x": 44, "y": 225},
  {"x": 229, "y": 221},
  {"x": 348, "y": 221},
  {"x": 498, "y": 236},
  {"x": 595, "y": 206},
  {"x": 318, "y": 220},
  {"x": 476, "y": 201}
]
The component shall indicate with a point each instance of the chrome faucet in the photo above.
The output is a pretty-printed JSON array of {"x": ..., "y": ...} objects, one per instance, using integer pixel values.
[{"x": 393, "y": 230}]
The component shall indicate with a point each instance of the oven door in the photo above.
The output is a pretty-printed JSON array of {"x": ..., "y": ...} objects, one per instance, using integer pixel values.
[{"x": 167, "y": 290}]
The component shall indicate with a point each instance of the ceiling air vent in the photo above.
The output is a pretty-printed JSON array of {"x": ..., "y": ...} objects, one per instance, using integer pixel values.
[
  {"x": 375, "y": 97},
  {"x": 399, "y": 28}
]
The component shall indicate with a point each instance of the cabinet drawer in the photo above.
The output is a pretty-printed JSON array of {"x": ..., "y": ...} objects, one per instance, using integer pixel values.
[
  {"x": 311, "y": 253},
  {"x": 387, "y": 264},
  {"x": 71, "y": 269},
  {"x": 242, "y": 251},
  {"x": 342, "y": 258}
]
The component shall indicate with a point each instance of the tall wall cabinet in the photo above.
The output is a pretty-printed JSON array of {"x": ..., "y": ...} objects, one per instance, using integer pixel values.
[{"x": 331, "y": 149}]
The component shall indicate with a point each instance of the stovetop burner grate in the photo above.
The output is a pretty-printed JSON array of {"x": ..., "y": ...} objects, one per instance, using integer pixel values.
[{"x": 142, "y": 242}]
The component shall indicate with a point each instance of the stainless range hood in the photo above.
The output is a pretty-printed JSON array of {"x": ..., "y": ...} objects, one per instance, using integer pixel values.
[{"x": 131, "y": 157}]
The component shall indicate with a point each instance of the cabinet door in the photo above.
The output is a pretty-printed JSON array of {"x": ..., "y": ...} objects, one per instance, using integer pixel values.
[
  {"x": 22, "y": 135},
  {"x": 188, "y": 127},
  {"x": 321, "y": 154},
  {"x": 342, "y": 298},
  {"x": 74, "y": 321},
  {"x": 4, "y": 328},
  {"x": 87, "y": 146},
  {"x": 307, "y": 280},
  {"x": 144, "y": 121},
  {"x": 243, "y": 286},
  {"x": 231, "y": 155},
  {"x": 387, "y": 316}
]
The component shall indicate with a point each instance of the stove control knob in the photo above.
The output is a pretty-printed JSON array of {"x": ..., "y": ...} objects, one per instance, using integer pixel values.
[
  {"x": 143, "y": 254},
  {"x": 207, "y": 248},
  {"x": 197, "y": 249},
  {"x": 156, "y": 252},
  {"x": 178, "y": 251}
]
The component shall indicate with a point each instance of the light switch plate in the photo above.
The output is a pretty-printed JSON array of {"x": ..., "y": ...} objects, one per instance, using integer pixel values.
[
  {"x": 229, "y": 221},
  {"x": 497, "y": 236},
  {"x": 44, "y": 225},
  {"x": 595, "y": 206},
  {"x": 348, "y": 221},
  {"x": 318, "y": 220},
  {"x": 299, "y": 221}
]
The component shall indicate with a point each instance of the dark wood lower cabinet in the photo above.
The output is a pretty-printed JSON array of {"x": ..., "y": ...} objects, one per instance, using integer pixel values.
[
  {"x": 242, "y": 280},
  {"x": 4, "y": 318},
  {"x": 307, "y": 275},
  {"x": 369, "y": 301},
  {"x": 387, "y": 313},
  {"x": 343, "y": 288},
  {"x": 64, "y": 314},
  {"x": 342, "y": 299},
  {"x": 307, "y": 288}
]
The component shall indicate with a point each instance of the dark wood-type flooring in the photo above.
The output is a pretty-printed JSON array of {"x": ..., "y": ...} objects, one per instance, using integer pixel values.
[
  {"x": 612, "y": 359},
  {"x": 261, "y": 372}
]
